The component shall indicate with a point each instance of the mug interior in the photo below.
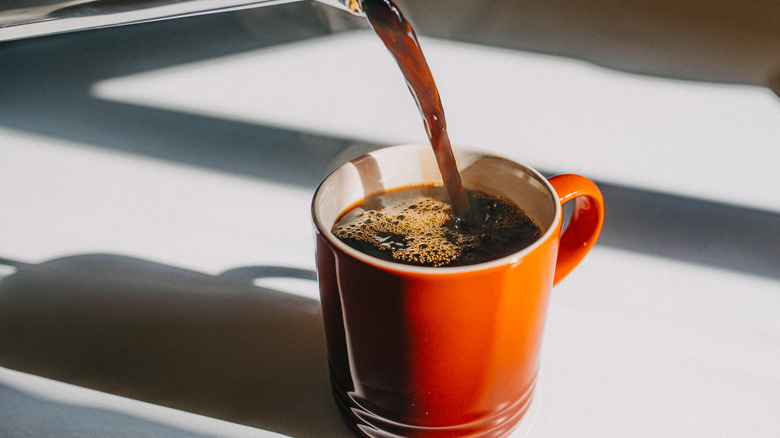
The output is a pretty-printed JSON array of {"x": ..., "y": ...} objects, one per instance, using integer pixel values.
[{"x": 409, "y": 165}]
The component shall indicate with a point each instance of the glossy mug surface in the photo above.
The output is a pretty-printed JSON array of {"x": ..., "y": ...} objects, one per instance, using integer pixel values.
[{"x": 446, "y": 351}]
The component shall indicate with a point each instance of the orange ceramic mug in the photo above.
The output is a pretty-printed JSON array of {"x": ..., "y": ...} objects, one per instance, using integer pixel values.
[{"x": 447, "y": 351}]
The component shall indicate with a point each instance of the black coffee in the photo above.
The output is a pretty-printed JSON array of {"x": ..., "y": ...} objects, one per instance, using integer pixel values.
[
  {"x": 416, "y": 226},
  {"x": 430, "y": 225}
]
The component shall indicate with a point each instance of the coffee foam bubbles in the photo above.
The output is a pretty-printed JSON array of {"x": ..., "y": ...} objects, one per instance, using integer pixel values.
[{"x": 416, "y": 231}]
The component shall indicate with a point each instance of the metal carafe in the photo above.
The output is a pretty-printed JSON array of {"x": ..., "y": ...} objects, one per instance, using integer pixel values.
[{"x": 28, "y": 18}]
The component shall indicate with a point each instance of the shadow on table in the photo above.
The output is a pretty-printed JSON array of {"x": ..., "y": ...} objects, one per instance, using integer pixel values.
[
  {"x": 218, "y": 346},
  {"x": 35, "y": 416}
]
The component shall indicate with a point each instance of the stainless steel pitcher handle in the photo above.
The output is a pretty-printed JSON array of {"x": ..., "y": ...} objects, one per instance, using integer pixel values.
[{"x": 19, "y": 20}]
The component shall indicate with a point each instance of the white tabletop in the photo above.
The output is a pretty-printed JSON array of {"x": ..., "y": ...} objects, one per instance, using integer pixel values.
[{"x": 121, "y": 248}]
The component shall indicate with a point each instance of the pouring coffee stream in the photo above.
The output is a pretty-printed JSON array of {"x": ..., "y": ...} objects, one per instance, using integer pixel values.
[{"x": 397, "y": 34}]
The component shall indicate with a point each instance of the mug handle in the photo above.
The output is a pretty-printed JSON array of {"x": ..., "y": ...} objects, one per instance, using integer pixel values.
[{"x": 585, "y": 224}]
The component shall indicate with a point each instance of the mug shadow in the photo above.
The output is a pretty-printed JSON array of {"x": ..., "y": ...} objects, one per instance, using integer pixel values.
[{"x": 217, "y": 346}]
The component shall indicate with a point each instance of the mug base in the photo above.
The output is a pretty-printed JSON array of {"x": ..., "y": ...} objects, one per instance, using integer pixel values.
[{"x": 506, "y": 423}]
